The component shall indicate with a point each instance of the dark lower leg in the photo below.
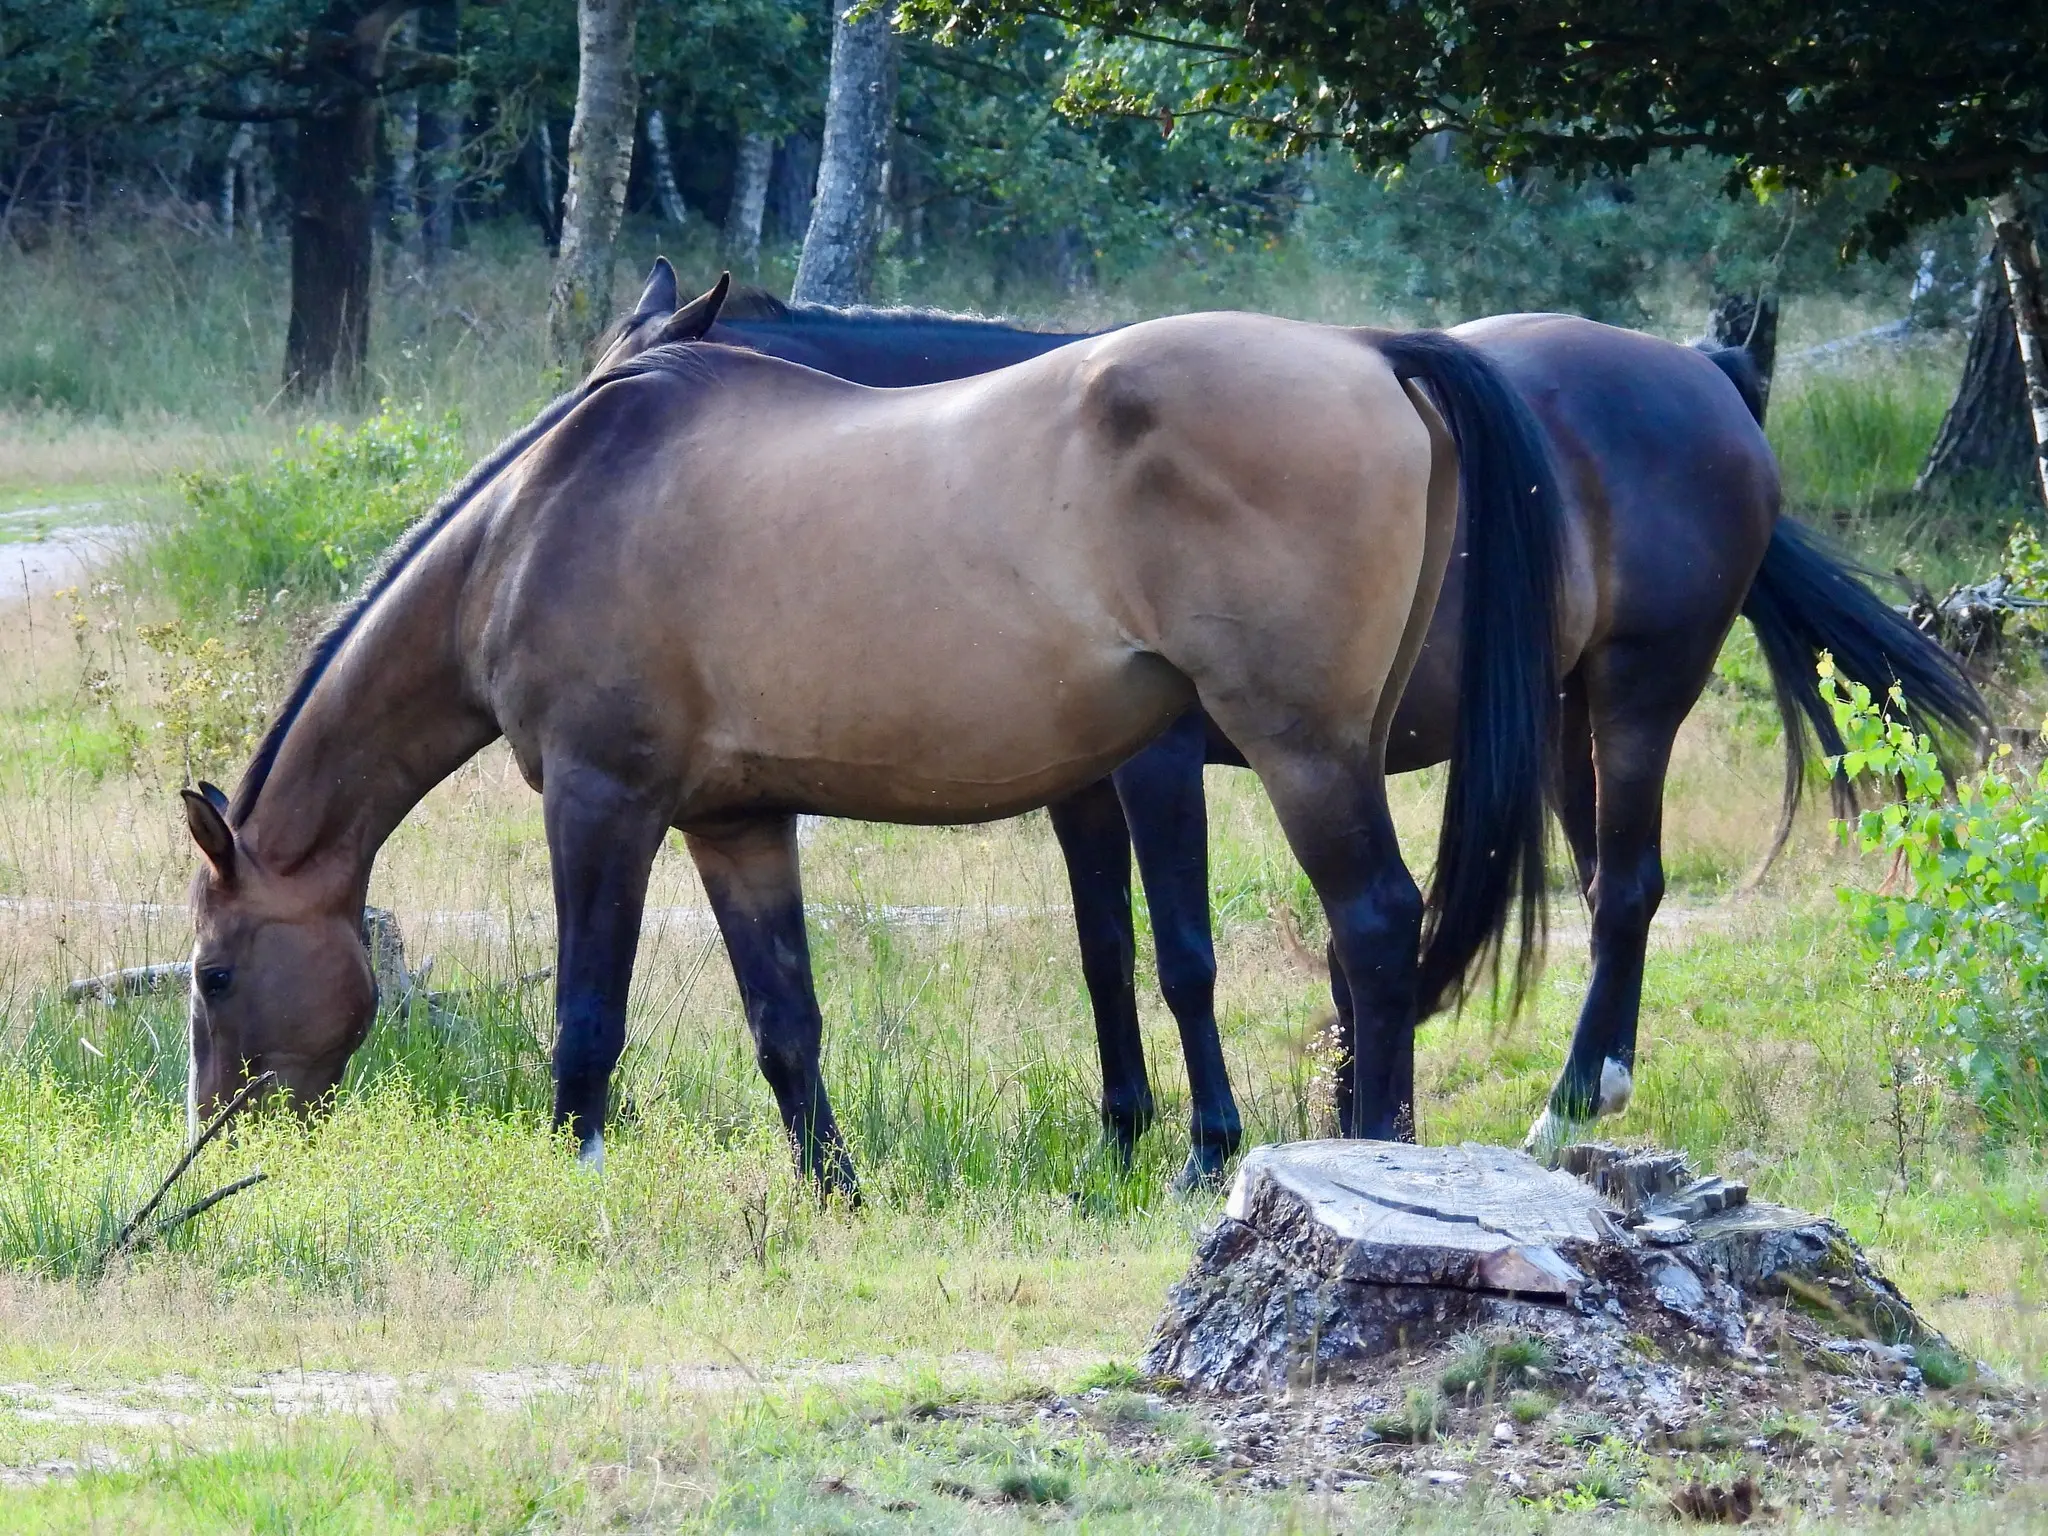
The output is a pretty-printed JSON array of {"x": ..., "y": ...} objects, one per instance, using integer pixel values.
[
  {"x": 1096, "y": 843},
  {"x": 602, "y": 839},
  {"x": 1337, "y": 821},
  {"x": 1162, "y": 797},
  {"x": 1631, "y": 753},
  {"x": 751, "y": 878}
]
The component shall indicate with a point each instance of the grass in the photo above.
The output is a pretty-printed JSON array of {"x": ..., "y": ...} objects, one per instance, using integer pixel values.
[{"x": 689, "y": 1341}]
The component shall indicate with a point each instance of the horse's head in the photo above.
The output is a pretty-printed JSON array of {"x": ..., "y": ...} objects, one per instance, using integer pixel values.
[
  {"x": 280, "y": 979},
  {"x": 661, "y": 317}
]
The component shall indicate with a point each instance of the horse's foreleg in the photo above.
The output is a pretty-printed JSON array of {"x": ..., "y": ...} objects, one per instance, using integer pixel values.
[
  {"x": 751, "y": 877},
  {"x": 1161, "y": 789},
  {"x": 1631, "y": 752},
  {"x": 1096, "y": 844},
  {"x": 602, "y": 839}
]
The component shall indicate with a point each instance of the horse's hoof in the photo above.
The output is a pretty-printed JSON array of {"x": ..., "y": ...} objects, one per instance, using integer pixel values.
[
  {"x": 1617, "y": 1087},
  {"x": 591, "y": 1154},
  {"x": 1197, "y": 1177}
]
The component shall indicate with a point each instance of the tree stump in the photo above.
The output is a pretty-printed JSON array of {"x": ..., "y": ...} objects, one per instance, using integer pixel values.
[{"x": 1334, "y": 1254}]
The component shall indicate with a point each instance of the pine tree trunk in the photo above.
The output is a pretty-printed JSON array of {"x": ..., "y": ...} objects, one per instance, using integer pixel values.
[
  {"x": 1749, "y": 322},
  {"x": 333, "y": 206},
  {"x": 2013, "y": 237},
  {"x": 440, "y": 136},
  {"x": 402, "y": 141},
  {"x": 232, "y": 175},
  {"x": 600, "y": 159},
  {"x": 743, "y": 219},
  {"x": 846, "y": 221},
  {"x": 666, "y": 192},
  {"x": 1985, "y": 448}
]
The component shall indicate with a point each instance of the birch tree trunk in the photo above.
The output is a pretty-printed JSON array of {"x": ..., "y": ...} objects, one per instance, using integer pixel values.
[
  {"x": 665, "y": 190},
  {"x": 600, "y": 158},
  {"x": 846, "y": 221},
  {"x": 2013, "y": 237},
  {"x": 749, "y": 202}
]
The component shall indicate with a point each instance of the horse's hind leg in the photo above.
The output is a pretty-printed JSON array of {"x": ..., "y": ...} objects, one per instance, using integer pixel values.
[
  {"x": 1097, "y": 846},
  {"x": 1161, "y": 789},
  {"x": 1334, "y": 812},
  {"x": 750, "y": 873},
  {"x": 602, "y": 839},
  {"x": 1637, "y": 700}
]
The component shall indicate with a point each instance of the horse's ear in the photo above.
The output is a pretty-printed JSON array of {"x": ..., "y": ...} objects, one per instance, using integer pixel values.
[
  {"x": 215, "y": 796},
  {"x": 211, "y": 832},
  {"x": 661, "y": 293},
  {"x": 696, "y": 317}
]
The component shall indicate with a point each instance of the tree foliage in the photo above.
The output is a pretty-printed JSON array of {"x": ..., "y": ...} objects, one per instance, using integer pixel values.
[{"x": 1949, "y": 101}]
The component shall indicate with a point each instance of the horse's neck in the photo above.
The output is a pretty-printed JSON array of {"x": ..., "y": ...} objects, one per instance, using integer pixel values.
[{"x": 392, "y": 716}]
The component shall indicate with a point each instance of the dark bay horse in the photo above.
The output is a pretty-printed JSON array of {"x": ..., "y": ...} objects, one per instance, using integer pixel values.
[
  {"x": 1671, "y": 506},
  {"x": 712, "y": 590}
]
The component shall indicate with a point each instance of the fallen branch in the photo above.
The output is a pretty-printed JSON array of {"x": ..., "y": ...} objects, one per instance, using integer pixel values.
[
  {"x": 136, "y": 981},
  {"x": 198, "y": 1207},
  {"x": 120, "y": 1244}
]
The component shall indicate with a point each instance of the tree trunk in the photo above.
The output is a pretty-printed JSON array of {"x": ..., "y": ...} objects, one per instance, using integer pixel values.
[
  {"x": 2012, "y": 236},
  {"x": 666, "y": 192},
  {"x": 233, "y": 175},
  {"x": 1985, "y": 448},
  {"x": 749, "y": 202},
  {"x": 600, "y": 159},
  {"x": 402, "y": 142},
  {"x": 793, "y": 186},
  {"x": 1750, "y": 322},
  {"x": 846, "y": 221},
  {"x": 440, "y": 136},
  {"x": 333, "y": 207}
]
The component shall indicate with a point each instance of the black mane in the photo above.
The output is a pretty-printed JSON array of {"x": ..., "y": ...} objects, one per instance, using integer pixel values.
[
  {"x": 744, "y": 304},
  {"x": 401, "y": 555}
]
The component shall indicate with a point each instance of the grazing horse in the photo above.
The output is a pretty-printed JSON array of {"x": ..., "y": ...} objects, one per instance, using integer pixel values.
[
  {"x": 1671, "y": 506},
  {"x": 714, "y": 590}
]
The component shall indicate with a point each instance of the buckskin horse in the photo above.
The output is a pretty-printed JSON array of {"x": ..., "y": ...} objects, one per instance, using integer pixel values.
[
  {"x": 1672, "y": 529},
  {"x": 711, "y": 590}
]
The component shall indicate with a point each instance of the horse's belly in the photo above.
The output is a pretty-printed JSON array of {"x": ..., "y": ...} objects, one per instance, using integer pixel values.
[{"x": 986, "y": 737}]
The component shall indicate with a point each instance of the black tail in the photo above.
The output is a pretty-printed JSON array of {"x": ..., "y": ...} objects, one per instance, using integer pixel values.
[
  {"x": 1807, "y": 599},
  {"x": 1490, "y": 852}
]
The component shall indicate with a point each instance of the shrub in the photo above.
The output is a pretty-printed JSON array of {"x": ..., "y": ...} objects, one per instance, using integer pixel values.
[
  {"x": 313, "y": 522},
  {"x": 1968, "y": 934}
]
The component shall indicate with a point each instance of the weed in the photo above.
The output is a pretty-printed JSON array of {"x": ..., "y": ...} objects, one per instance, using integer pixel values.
[
  {"x": 1529, "y": 1407},
  {"x": 1034, "y": 1485},
  {"x": 1942, "y": 1368},
  {"x": 1418, "y": 1421},
  {"x": 1482, "y": 1364},
  {"x": 1113, "y": 1374}
]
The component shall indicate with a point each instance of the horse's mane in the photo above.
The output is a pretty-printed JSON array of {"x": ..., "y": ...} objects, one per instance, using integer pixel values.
[
  {"x": 744, "y": 304},
  {"x": 401, "y": 555}
]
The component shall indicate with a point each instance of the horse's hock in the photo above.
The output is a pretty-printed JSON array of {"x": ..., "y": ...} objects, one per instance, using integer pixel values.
[{"x": 1336, "y": 1256}]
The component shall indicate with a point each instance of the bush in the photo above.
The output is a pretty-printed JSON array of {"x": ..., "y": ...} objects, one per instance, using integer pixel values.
[
  {"x": 311, "y": 524},
  {"x": 1969, "y": 934}
]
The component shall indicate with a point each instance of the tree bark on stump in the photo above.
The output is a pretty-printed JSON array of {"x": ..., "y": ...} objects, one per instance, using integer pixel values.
[
  {"x": 1748, "y": 322},
  {"x": 860, "y": 109},
  {"x": 333, "y": 204},
  {"x": 2012, "y": 236},
  {"x": 1985, "y": 447},
  {"x": 749, "y": 202},
  {"x": 600, "y": 159}
]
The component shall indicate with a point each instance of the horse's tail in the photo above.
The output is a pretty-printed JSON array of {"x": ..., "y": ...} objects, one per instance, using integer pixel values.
[
  {"x": 1490, "y": 853},
  {"x": 1807, "y": 599}
]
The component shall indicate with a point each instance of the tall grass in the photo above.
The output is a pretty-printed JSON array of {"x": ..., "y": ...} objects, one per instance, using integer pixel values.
[{"x": 1850, "y": 437}]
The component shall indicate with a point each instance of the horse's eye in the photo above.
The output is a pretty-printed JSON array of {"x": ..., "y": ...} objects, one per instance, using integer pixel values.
[{"x": 214, "y": 981}]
